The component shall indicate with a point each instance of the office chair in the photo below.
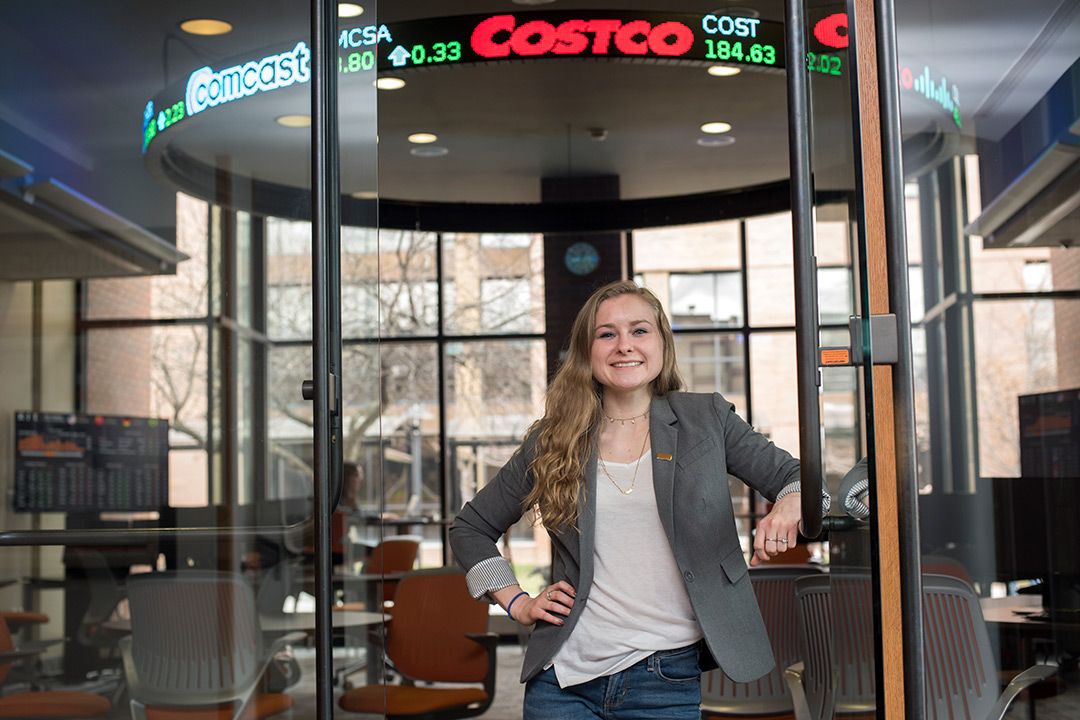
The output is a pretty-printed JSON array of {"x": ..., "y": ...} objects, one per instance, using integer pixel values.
[
  {"x": 723, "y": 697},
  {"x": 42, "y": 704},
  {"x": 838, "y": 673},
  {"x": 196, "y": 648},
  {"x": 394, "y": 555},
  {"x": 438, "y": 634}
]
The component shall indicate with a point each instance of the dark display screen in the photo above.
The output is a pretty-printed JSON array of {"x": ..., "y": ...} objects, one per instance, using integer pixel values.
[{"x": 97, "y": 462}]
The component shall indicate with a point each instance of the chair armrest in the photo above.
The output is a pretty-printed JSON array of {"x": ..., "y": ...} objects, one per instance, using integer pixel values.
[
  {"x": 131, "y": 674},
  {"x": 793, "y": 676},
  {"x": 293, "y": 638},
  {"x": 1034, "y": 674},
  {"x": 37, "y": 646},
  {"x": 489, "y": 641}
]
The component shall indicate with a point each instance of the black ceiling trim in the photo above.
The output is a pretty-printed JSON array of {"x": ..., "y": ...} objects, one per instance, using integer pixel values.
[{"x": 274, "y": 199}]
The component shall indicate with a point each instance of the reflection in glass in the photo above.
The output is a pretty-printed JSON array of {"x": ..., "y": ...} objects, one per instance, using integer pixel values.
[
  {"x": 493, "y": 283},
  {"x": 494, "y": 392},
  {"x": 770, "y": 272}
]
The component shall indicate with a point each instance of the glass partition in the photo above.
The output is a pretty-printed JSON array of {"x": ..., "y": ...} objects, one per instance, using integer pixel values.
[{"x": 157, "y": 328}]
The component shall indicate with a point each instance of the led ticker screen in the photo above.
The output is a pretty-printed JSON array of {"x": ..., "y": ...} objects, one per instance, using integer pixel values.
[
  {"x": 90, "y": 463},
  {"x": 592, "y": 34},
  {"x": 471, "y": 39}
]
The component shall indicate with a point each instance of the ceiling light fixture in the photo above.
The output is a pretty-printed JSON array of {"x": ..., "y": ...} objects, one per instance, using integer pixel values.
[
  {"x": 723, "y": 70},
  {"x": 294, "y": 121},
  {"x": 348, "y": 10},
  {"x": 365, "y": 194},
  {"x": 422, "y": 138},
  {"x": 205, "y": 26},
  {"x": 429, "y": 151},
  {"x": 389, "y": 83},
  {"x": 532, "y": 2},
  {"x": 715, "y": 127}
]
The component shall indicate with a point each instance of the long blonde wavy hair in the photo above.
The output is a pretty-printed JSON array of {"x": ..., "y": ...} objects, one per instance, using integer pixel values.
[{"x": 566, "y": 434}]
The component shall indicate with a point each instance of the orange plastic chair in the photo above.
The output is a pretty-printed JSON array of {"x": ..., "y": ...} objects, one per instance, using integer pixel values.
[
  {"x": 438, "y": 634},
  {"x": 43, "y": 704}
]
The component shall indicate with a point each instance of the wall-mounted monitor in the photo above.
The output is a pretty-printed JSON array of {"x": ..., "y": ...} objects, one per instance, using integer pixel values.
[{"x": 67, "y": 462}]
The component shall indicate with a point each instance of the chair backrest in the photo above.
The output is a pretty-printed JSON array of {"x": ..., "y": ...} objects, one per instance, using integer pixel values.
[
  {"x": 394, "y": 554},
  {"x": 961, "y": 672},
  {"x": 194, "y": 637},
  {"x": 426, "y": 637},
  {"x": 775, "y": 591},
  {"x": 836, "y": 632},
  {"x": 836, "y": 625}
]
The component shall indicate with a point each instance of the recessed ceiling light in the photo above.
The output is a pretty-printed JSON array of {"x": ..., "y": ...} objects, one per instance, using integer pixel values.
[
  {"x": 715, "y": 140},
  {"x": 423, "y": 138},
  {"x": 205, "y": 26},
  {"x": 389, "y": 83},
  {"x": 723, "y": 70},
  {"x": 715, "y": 127},
  {"x": 349, "y": 10},
  {"x": 532, "y": 2},
  {"x": 294, "y": 121},
  {"x": 429, "y": 151},
  {"x": 365, "y": 194}
]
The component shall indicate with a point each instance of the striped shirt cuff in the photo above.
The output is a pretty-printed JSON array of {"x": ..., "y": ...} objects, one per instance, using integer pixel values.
[
  {"x": 488, "y": 576},
  {"x": 796, "y": 486},
  {"x": 853, "y": 502}
]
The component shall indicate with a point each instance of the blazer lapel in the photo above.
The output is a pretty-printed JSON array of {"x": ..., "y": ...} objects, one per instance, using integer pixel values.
[{"x": 665, "y": 438}]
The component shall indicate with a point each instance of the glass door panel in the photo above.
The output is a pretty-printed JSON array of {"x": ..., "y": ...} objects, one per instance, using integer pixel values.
[
  {"x": 990, "y": 121},
  {"x": 157, "y": 317}
]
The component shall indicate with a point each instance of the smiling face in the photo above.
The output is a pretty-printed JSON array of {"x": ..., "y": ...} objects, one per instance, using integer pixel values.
[{"x": 627, "y": 347}]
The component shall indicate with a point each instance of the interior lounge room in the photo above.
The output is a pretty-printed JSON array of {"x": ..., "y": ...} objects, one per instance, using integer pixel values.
[{"x": 288, "y": 291}]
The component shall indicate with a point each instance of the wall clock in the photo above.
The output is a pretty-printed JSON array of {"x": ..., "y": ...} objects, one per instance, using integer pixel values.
[{"x": 581, "y": 258}]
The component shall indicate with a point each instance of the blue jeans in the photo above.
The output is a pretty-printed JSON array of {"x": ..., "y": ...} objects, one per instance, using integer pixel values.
[{"x": 664, "y": 686}]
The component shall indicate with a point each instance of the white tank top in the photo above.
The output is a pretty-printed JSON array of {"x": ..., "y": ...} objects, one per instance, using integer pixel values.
[{"x": 637, "y": 603}]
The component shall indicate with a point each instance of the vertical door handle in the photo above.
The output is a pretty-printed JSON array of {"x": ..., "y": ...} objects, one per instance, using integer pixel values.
[{"x": 806, "y": 306}]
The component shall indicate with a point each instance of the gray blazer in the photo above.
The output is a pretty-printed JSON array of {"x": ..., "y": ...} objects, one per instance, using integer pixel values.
[{"x": 705, "y": 440}]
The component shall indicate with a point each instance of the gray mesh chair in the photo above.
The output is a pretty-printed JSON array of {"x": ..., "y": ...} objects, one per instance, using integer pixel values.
[
  {"x": 837, "y": 673},
  {"x": 962, "y": 680},
  {"x": 196, "y": 646},
  {"x": 723, "y": 697}
]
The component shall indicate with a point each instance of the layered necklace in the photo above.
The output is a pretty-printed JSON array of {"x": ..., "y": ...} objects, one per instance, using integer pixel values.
[
  {"x": 623, "y": 421},
  {"x": 641, "y": 454}
]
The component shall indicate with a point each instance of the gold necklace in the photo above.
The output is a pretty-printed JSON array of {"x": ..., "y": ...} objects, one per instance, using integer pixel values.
[
  {"x": 623, "y": 421},
  {"x": 636, "y": 466}
]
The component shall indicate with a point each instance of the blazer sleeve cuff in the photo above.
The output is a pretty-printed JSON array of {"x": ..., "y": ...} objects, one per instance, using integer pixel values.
[{"x": 488, "y": 576}]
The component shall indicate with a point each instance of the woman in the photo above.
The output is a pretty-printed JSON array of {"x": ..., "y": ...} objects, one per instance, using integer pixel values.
[{"x": 631, "y": 480}]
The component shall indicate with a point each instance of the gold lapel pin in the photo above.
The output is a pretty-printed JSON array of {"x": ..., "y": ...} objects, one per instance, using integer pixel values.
[{"x": 663, "y": 456}]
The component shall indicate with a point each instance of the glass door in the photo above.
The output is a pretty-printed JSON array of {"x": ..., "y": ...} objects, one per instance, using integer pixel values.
[
  {"x": 170, "y": 213},
  {"x": 990, "y": 121},
  {"x": 845, "y": 196},
  {"x": 960, "y": 203}
]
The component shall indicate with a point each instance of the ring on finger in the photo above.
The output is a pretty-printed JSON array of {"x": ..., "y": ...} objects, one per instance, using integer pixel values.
[
  {"x": 783, "y": 541},
  {"x": 549, "y": 594}
]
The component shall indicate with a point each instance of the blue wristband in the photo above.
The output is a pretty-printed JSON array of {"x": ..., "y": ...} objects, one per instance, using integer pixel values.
[{"x": 512, "y": 604}]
